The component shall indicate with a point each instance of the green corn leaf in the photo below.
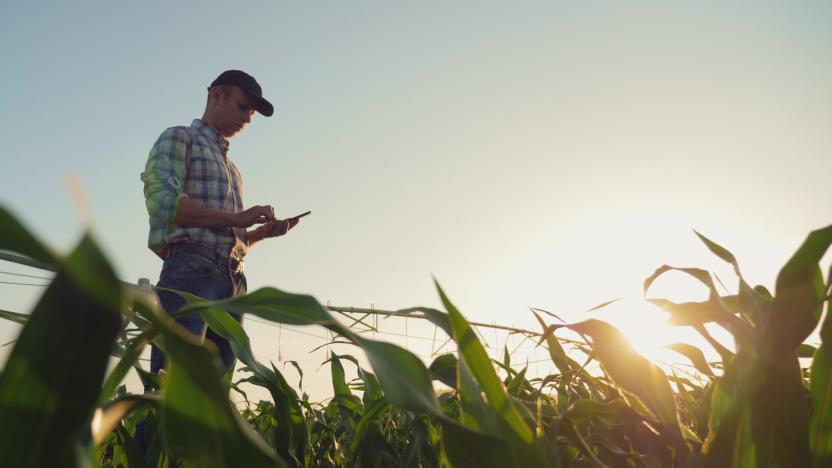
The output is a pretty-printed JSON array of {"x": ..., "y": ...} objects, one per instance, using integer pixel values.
[
  {"x": 109, "y": 416},
  {"x": 556, "y": 351},
  {"x": 691, "y": 313},
  {"x": 135, "y": 458},
  {"x": 732, "y": 440},
  {"x": 698, "y": 313},
  {"x": 720, "y": 309},
  {"x": 799, "y": 295},
  {"x": 474, "y": 411},
  {"x": 724, "y": 307},
  {"x": 749, "y": 303},
  {"x": 518, "y": 382},
  {"x": 781, "y": 432},
  {"x": 820, "y": 426},
  {"x": 412, "y": 458},
  {"x": 368, "y": 417},
  {"x": 290, "y": 436},
  {"x": 695, "y": 355},
  {"x": 729, "y": 442},
  {"x": 481, "y": 368},
  {"x": 806, "y": 351},
  {"x": 634, "y": 374},
  {"x": 603, "y": 304},
  {"x": 199, "y": 423},
  {"x": 465, "y": 448},
  {"x": 407, "y": 384},
  {"x": 272, "y": 304},
  {"x": 403, "y": 377},
  {"x": 300, "y": 372},
  {"x": 149, "y": 380},
  {"x": 372, "y": 389},
  {"x": 348, "y": 403},
  {"x": 724, "y": 352},
  {"x": 564, "y": 363},
  {"x": 614, "y": 412},
  {"x": 759, "y": 413},
  {"x": 18, "y": 239},
  {"x": 128, "y": 359},
  {"x": 53, "y": 376},
  {"x": 528, "y": 450},
  {"x": 570, "y": 431},
  {"x": 701, "y": 275},
  {"x": 14, "y": 317},
  {"x": 440, "y": 319},
  {"x": 720, "y": 252},
  {"x": 443, "y": 369}
]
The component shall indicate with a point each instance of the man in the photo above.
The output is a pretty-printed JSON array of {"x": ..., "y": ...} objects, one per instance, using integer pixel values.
[{"x": 194, "y": 196}]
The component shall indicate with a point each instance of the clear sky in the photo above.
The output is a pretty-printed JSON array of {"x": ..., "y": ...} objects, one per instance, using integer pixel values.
[{"x": 542, "y": 153}]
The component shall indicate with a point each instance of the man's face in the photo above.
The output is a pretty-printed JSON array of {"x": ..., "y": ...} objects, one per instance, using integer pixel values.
[{"x": 232, "y": 112}]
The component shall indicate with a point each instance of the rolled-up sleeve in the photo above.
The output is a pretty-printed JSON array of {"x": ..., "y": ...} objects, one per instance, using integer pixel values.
[{"x": 164, "y": 177}]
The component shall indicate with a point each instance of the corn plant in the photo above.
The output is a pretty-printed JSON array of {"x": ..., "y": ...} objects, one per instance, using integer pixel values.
[{"x": 60, "y": 407}]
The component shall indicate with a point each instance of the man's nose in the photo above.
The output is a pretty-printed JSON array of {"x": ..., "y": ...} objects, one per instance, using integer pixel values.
[{"x": 247, "y": 118}]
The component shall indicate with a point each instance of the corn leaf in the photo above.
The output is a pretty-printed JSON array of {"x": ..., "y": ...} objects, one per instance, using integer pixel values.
[
  {"x": 128, "y": 359},
  {"x": 443, "y": 369},
  {"x": 403, "y": 377},
  {"x": 14, "y": 317},
  {"x": 695, "y": 355},
  {"x": 52, "y": 379},
  {"x": 528, "y": 450},
  {"x": 17, "y": 238},
  {"x": 134, "y": 455},
  {"x": 634, "y": 374},
  {"x": 820, "y": 427},
  {"x": 199, "y": 423},
  {"x": 614, "y": 412},
  {"x": 799, "y": 295},
  {"x": 109, "y": 416}
]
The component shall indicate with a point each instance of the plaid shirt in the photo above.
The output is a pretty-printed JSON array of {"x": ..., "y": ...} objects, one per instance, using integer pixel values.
[{"x": 192, "y": 162}]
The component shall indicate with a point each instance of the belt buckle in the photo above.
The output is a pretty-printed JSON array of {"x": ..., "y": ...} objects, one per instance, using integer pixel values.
[{"x": 235, "y": 265}]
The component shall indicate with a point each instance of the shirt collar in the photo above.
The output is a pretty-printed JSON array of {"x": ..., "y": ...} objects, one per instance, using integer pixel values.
[{"x": 210, "y": 133}]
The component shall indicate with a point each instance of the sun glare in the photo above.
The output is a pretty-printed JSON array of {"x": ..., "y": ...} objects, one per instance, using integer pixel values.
[{"x": 646, "y": 326}]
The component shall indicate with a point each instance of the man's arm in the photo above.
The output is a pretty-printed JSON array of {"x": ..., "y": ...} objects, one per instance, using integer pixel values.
[
  {"x": 191, "y": 213},
  {"x": 164, "y": 189}
]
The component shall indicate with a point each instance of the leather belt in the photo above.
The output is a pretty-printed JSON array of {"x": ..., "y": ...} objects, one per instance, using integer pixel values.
[{"x": 235, "y": 265}]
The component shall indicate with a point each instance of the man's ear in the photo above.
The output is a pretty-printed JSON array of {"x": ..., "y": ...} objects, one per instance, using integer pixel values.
[{"x": 215, "y": 95}]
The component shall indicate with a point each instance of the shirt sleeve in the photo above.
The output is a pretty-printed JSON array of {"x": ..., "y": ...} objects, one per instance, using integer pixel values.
[{"x": 164, "y": 176}]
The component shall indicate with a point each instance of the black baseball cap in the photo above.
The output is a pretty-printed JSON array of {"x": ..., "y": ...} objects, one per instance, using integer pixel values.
[{"x": 249, "y": 85}]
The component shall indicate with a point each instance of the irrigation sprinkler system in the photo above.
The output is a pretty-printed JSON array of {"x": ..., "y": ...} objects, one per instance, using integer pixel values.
[
  {"x": 362, "y": 320},
  {"x": 350, "y": 313}
]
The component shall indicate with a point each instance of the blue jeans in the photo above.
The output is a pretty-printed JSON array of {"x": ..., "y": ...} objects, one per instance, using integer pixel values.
[{"x": 207, "y": 279}]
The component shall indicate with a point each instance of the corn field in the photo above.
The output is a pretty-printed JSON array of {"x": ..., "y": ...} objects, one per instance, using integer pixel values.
[{"x": 61, "y": 405}]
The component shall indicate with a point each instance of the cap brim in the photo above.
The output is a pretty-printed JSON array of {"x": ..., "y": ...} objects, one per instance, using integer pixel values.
[{"x": 263, "y": 106}]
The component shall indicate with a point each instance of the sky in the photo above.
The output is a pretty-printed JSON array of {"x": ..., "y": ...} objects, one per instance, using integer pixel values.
[{"x": 524, "y": 154}]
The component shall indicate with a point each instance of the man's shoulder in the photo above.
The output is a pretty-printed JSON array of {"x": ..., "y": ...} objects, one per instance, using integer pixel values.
[{"x": 179, "y": 133}]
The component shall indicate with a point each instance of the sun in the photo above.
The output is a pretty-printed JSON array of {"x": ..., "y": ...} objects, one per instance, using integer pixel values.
[{"x": 646, "y": 328}]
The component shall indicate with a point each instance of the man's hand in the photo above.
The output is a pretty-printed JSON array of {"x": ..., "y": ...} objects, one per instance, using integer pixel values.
[
  {"x": 274, "y": 228},
  {"x": 279, "y": 227},
  {"x": 258, "y": 214}
]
